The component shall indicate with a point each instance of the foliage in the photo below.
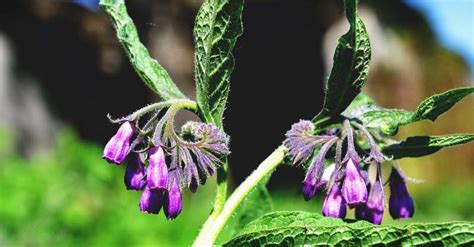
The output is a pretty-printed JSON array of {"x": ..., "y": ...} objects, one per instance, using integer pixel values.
[
  {"x": 302, "y": 228},
  {"x": 218, "y": 25}
]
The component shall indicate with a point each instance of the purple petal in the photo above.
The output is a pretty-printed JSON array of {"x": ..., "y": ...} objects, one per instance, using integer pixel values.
[
  {"x": 353, "y": 188},
  {"x": 157, "y": 172},
  {"x": 400, "y": 203},
  {"x": 118, "y": 146},
  {"x": 135, "y": 175},
  {"x": 173, "y": 200},
  {"x": 151, "y": 201},
  {"x": 334, "y": 205}
]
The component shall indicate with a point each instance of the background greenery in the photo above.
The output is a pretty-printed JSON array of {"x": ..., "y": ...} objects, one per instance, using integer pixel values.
[{"x": 71, "y": 197}]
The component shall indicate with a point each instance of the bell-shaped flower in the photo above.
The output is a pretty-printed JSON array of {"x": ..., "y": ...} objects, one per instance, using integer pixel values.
[
  {"x": 354, "y": 189},
  {"x": 173, "y": 199},
  {"x": 372, "y": 211},
  {"x": 316, "y": 170},
  {"x": 151, "y": 201},
  {"x": 118, "y": 146},
  {"x": 334, "y": 204},
  {"x": 400, "y": 202},
  {"x": 157, "y": 172},
  {"x": 135, "y": 175}
]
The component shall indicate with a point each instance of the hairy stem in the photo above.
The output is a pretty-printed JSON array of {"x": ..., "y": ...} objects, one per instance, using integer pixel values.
[{"x": 210, "y": 231}]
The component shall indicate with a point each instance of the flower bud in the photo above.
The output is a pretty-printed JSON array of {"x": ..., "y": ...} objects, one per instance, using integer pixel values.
[
  {"x": 372, "y": 211},
  {"x": 192, "y": 176},
  {"x": 353, "y": 188},
  {"x": 362, "y": 212},
  {"x": 151, "y": 201},
  {"x": 400, "y": 202},
  {"x": 334, "y": 204},
  {"x": 310, "y": 185},
  {"x": 157, "y": 172},
  {"x": 135, "y": 176},
  {"x": 173, "y": 199},
  {"x": 118, "y": 146}
]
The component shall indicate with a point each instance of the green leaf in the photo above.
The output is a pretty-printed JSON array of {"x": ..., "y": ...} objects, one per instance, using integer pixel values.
[
  {"x": 302, "y": 228},
  {"x": 438, "y": 104},
  {"x": 218, "y": 25},
  {"x": 154, "y": 76},
  {"x": 350, "y": 67},
  {"x": 388, "y": 120},
  {"x": 418, "y": 146}
]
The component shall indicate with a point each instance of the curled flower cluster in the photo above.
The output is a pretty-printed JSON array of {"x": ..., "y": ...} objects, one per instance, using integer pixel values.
[
  {"x": 174, "y": 160},
  {"x": 347, "y": 180}
]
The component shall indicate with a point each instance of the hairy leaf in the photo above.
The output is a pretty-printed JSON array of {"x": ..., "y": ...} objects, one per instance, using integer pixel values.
[
  {"x": 418, "y": 146},
  {"x": 302, "y": 228},
  {"x": 388, "y": 120},
  {"x": 350, "y": 67},
  {"x": 438, "y": 104},
  {"x": 154, "y": 76},
  {"x": 218, "y": 25}
]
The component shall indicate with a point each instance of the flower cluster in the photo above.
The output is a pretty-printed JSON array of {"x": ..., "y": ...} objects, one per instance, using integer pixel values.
[
  {"x": 347, "y": 181},
  {"x": 174, "y": 160}
]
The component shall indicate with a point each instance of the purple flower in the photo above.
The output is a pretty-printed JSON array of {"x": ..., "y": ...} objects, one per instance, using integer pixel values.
[
  {"x": 173, "y": 199},
  {"x": 353, "y": 188},
  {"x": 118, "y": 146},
  {"x": 315, "y": 172},
  {"x": 400, "y": 202},
  {"x": 372, "y": 211},
  {"x": 157, "y": 172},
  {"x": 310, "y": 186},
  {"x": 135, "y": 175},
  {"x": 334, "y": 204},
  {"x": 151, "y": 201},
  {"x": 301, "y": 142}
]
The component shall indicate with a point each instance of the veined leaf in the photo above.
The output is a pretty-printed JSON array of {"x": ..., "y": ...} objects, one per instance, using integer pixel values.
[
  {"x": 438, "y": 104},
  {"x": 218, "y": 25},
  {"x": 418, "y": 146},
  {"x": 350, "y": 67},
  {"x": 302, "y": 228},
  {"x": 388, "y": 120},
  {"x": 151, "y": 72}
]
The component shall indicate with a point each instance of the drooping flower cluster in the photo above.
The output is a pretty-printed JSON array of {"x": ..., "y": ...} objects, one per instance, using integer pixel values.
[
  {"x": 348, "y": 181},
  {"x": 174, "y": 160}
]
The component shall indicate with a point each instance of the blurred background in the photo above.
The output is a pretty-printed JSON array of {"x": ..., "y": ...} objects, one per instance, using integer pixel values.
[{"x": 62, "y": 70}]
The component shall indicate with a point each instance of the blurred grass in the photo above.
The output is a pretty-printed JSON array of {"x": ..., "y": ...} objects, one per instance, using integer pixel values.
[{"x": 71, "y": 197}]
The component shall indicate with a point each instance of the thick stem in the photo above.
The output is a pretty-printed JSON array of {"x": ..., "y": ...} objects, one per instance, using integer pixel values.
[{"x": 209, "y": 234}]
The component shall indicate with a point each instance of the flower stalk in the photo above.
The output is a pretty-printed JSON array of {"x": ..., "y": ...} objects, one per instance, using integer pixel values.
[{"x": 209, "y": 233}]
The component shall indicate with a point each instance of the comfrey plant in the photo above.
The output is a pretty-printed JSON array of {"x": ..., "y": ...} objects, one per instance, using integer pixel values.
[{"x": 343, "y": 148}]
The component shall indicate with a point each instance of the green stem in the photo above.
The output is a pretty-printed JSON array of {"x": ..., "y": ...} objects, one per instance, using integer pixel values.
[
  {"x": 219, "y": 200},
  {"x": 211, "y": 230}
]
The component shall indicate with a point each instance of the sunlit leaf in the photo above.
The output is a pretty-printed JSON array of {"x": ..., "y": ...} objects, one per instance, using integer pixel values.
[
  {"x": 151, "y": 72},
  {"x": 350, "y": 67},
  {"x": 302, "y": 228},
  {"x": 417, "y": 146},
  {"x": 218, "y": 25}
]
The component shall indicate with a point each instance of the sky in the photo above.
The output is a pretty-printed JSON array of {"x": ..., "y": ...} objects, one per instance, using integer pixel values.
[{"x": 453, "y": 23}]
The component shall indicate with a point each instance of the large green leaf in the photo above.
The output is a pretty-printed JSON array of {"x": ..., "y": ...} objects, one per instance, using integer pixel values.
[
  {"x": 151, "y": 72},
  {"x": 218, "y": 25},
  {"x": 388, "y": 120},
  {"x": 302, "y": 228},
  {"x": 417, "y": 146},
  {"x": 350, "y": 67}
]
